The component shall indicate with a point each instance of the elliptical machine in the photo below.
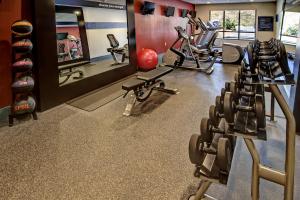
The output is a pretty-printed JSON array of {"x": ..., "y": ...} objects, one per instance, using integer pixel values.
[
  {"x": 231, "y": 53},
  {"x": 228, "y": 53},
  {"x": 194, "y": 54}
]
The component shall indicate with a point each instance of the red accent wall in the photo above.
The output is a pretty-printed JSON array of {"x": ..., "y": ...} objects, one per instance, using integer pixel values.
[
  {"x": 10, "y": 11},
  {"x": 157, "y": 31},
  {"x": 72, "y": 31}
]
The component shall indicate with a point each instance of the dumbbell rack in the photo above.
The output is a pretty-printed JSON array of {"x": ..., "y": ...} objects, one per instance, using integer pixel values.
[
  {"x": 285, "y": 178},
  {"x": 260, "y": 171},
  {"x": 13, "y": 115}
]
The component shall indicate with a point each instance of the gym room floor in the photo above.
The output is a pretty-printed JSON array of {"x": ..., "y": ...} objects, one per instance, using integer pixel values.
[{"x": 73, "y": 154}]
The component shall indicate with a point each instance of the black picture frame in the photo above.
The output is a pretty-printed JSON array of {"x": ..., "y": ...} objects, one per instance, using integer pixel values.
[
  {"x": 49, "y": 93},
  {"x": 148, "y": 8},
  {"x": 265, "y": 23},
  {"x": 169, "y": 11},
  {"x": 184, "y": 13}
]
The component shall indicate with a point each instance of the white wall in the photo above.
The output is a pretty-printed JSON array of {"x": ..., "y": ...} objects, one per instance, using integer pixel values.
[
  {"x": 97, "y": 40},
  {"x": 279, "y": 12},
  {"x": 65, "y": 17}
]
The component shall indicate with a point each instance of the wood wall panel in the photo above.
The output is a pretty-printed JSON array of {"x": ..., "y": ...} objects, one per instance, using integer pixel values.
[
  {"x": 157, "y": 31},
  {"x": 10, "y": 11}
]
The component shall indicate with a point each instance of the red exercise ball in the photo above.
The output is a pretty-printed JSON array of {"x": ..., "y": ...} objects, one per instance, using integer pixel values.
[{"x": 147, "y": 59}]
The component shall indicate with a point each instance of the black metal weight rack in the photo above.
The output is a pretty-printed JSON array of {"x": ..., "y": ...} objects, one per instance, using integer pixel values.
[
  {"x": 23, "y": 100},
  {"x": 206, "y": 170}
]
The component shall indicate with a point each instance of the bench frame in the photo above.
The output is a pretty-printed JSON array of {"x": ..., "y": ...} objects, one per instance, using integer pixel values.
[{"x": 142, "y": 92}]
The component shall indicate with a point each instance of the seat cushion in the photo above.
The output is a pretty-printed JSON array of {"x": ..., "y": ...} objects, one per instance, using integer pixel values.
[
  {"x": 132, "y": 84},
  {"x": 155, "y": 73}
]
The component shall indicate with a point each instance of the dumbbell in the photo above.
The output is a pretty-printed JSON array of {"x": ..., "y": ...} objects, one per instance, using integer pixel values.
[
  {"x": 243, "y": 93},
  {"x": 268, "y": 47},
  {"x": 208, "y": 129},
  {"x": 223, "y": 155},
  {"x": 245, "y": 75},
  {"x": 231, "y": 108},
  {"x": 224, "y": 158},
  {"x": 244, "y": 68},
  {"x": 220, "y": 102},
  {"x": 219, "y": 99},
  {"x": 199, "y": 145},
  {"x": 237, "y": 90},
  {"x": 224, "y": 146},
  {"x": 215, "y": 115},
  {"x": 270, "y": 69},
  {"x": 241, "y": 80},
  {"x": 244, "y": 72},
  {"x": 196, "y": 153}
]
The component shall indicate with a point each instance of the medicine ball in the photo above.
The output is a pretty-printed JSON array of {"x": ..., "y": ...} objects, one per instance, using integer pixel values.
[
  {"x": 23, "y": 64},
  {"x": 147, "y": 59},
  {"x": 23, "y": 84},
  {"x": 23, "y": 46},
  {"x": 24, "y": 105},
  {"x": 21, "y": 28}
]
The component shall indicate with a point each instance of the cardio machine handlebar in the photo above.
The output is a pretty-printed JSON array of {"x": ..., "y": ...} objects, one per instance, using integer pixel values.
[{"x": 181, "y": 32}]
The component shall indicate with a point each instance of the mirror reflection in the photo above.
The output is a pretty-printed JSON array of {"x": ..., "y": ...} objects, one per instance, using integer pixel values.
[
  {"x": 91, "y": 40},
  {"x": 68, "y": 37}
]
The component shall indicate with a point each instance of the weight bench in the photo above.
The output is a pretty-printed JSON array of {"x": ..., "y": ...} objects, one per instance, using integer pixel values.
[{"x": 144, "y": 84}]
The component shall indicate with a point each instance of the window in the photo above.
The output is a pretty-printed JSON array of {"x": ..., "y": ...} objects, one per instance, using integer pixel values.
[
  {"x": 219, "y": 17},
  {"x": 290, "y": 27},
  {"x": 231, "y": 24},
  {"x": 235, "y": 24},
  {"x": 247, "y": 24}
]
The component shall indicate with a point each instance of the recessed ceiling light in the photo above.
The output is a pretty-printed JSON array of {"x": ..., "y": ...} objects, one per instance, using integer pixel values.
[
  {"x": 77, "y": 12},
  {"x": 208, "y": 2},
  {"x": 251, "y": 0}
]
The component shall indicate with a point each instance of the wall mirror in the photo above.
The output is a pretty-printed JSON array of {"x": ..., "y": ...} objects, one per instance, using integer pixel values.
[{"x": 92, "y": 38}]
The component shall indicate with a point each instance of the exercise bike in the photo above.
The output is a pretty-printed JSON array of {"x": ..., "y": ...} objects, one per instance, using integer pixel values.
[{"x": 115, "y": 49}]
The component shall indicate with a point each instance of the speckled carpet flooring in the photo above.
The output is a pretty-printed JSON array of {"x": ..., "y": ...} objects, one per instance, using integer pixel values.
[{"x": 72, "y": 154}]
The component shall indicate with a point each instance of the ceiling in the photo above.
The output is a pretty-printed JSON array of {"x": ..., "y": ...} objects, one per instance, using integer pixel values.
[{"x": 225, "y": 1}]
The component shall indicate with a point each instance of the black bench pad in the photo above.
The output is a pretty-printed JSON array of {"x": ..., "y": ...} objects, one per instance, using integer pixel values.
[
  {"x": 132, "y": 84},
  {"x": 155, "y": 73}
]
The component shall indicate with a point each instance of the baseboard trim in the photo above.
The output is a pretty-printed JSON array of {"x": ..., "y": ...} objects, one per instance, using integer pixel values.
[
  {"x": 160, "y": 58},
  {"x": 101, "y": 58}
]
